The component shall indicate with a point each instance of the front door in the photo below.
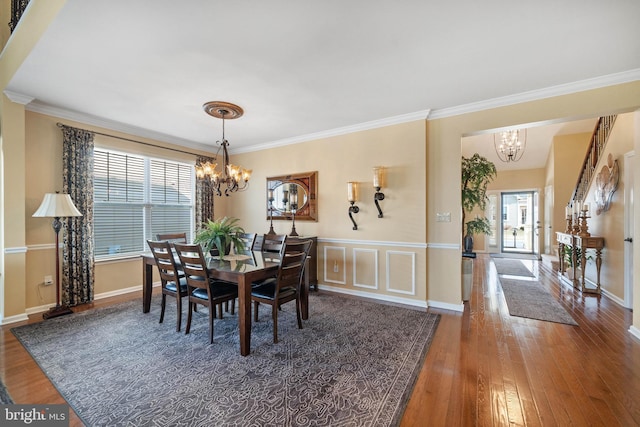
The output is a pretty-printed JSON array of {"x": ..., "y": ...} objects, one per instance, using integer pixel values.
[{"x": 518, "y": 216}]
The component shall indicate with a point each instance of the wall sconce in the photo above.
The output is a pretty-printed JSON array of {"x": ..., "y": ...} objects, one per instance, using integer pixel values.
[
  {"x": 352, "y": 196},
  {"x": 378, "y": 176}
]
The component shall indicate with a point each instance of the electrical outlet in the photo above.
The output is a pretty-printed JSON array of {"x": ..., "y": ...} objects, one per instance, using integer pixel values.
[{"x": 48, "y": 280}]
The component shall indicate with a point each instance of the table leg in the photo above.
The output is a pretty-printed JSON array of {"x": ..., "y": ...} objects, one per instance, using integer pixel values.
[
  {"x": 598, "y": 265},
  {"x": 561, "y": 257},
  {"x": 244, "y": 314},
  {"x": 147, "y": 286},
  {"x": 304, "y": 293}
]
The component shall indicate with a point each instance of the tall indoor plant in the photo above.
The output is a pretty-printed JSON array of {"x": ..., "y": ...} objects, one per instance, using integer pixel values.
[
  {"x": 220, "y": 234},
  {"x": 477, "y": 173}
]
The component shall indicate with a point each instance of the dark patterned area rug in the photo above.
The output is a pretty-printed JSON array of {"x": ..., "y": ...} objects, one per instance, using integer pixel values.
[
  {"x": 527, "y": 298},
  {"x": 512, "y": 267},
  {"x": 5, "y": 398},
  {"x": 354, "y": 363}
]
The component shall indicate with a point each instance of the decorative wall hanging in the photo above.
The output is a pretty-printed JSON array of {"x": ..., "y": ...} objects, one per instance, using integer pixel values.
[{"x": 606, "y": 184}]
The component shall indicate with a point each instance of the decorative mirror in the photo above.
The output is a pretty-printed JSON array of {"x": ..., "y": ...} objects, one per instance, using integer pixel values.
[{"x": 293, "y": 194}]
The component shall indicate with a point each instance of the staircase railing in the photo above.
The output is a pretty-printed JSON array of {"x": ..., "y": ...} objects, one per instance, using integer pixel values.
[
  {"x": 17, "y": 9},
  {"x": 596, "y": 148}
]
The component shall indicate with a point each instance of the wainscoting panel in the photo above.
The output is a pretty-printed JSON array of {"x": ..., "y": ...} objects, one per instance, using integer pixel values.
[
  {"x": 335, "y": 264},
  {"x": 365, "y": 271},
  {"x": 401, "y": 272}
]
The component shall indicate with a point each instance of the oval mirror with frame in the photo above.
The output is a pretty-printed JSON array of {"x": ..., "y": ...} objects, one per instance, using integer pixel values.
[{"x": 289, "y": 193}]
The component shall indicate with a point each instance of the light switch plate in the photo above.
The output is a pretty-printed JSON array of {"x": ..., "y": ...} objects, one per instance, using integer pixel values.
[{"x": 443, "y": 217}]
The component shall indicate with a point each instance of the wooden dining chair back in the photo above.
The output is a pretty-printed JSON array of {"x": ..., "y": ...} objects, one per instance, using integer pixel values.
[
  {"x": 172, "y": 237},
  {"x": 286, "y": 286},
  {"x": 201, "y": 288},
  {"x": 257, "y": 244},
  {"x": 248, "y": 239},
  {"x": 172, "y": 280},
  {"x": 273, "y": 242}
]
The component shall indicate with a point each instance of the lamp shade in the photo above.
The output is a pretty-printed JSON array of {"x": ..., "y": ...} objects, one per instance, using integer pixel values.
[{"x": 56, "y": 205}]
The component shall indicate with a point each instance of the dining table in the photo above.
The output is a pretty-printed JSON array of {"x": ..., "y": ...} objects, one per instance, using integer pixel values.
[{"x": 243, "y": 269}]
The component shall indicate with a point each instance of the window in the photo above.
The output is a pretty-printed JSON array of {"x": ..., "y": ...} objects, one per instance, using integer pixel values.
[{"x": 137, "y": 197}]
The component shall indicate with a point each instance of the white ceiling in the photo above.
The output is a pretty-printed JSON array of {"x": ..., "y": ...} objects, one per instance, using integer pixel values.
[{"x": 302, "y": 69}]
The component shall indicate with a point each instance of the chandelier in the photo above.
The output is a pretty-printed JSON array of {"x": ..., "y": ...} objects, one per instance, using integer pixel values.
[
  {"x": 510, "y": 144},
  {"x": 234, "y": 178}
]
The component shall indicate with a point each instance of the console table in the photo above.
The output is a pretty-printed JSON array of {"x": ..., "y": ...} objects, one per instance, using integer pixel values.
[{"x": 584, "y": 243}]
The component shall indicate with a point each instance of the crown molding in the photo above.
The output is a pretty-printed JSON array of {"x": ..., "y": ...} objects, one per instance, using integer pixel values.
[
  {"x": 534, "y": 95},
  {"x": 62, "y": 113},
  {"x": 429, "y": 114},
  {"x": 404, "y": 118},
  {"x": 18, "y": 98}
]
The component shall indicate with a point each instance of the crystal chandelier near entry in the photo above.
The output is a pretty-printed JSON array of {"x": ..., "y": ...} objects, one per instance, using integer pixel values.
[
  {"x": 510, "y": 144},
  {"x": 233, "y": 177}
]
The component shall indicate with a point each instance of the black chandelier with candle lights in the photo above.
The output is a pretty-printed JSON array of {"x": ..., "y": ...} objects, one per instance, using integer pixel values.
[
  {"x": 233, "y": 177},
  {"x": 510, "y": 144}
]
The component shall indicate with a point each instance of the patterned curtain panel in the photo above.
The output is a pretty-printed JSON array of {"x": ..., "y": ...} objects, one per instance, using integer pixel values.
[
  {"x": 77, "y": 255},
  {"x": 204, "y": 196}
]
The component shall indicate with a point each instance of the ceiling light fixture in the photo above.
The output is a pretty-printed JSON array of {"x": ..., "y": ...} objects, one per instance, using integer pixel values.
[
  {"x": 510, "y": 144},
  {"x": 236, "y": 178}
]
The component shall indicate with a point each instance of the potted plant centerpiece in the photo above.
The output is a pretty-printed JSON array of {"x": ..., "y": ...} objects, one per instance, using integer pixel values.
[{"x": 220, "y": 235}]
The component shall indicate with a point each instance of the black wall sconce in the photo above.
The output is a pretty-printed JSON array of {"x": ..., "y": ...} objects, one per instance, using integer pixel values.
[
  {"x": 352, "y": 196},
  {"x": 378, "y": 177}
]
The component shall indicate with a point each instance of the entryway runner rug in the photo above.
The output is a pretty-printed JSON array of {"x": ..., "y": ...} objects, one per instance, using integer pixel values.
[
  {"x": 354, "y": 363},
  {"x": 514, "y": 255},
  {"x": 527, "y": 298},
  {"x": 511, "y": 267}
]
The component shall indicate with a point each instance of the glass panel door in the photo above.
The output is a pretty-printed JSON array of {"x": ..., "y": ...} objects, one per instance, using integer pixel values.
[{"x": 517, "y": 220}]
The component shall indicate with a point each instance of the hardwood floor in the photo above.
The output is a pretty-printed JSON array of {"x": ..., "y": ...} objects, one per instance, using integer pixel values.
[{"x": 484, "y": 367}]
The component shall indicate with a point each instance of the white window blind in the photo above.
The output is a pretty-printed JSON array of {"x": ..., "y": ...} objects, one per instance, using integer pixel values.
[{"x": 136, "y": 198}]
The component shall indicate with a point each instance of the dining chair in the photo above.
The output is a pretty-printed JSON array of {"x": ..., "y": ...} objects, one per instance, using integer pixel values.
[
  {"x": 257, "y": 244},
  {"x": 201, "y": 288},
  {"x": 172, "y": 280},
  {"x": 249, "y": 240},
  {"x": 172, "y": 237},
  {"x": 286, "y": 286},
  {"x": 273, "y": 242}
]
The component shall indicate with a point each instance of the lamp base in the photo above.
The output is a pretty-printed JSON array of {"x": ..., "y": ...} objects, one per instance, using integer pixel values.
[{"x": 59, "y": 310}]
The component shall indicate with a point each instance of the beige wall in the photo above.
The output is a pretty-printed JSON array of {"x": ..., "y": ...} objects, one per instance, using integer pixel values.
[
  {"x": 424, "y": 181},
  {"x": 385, "y": 256},
  {"x": 443, "y": 170},
  {"x": 569, "y": 152},
  {"x": 610, "y": 224}
]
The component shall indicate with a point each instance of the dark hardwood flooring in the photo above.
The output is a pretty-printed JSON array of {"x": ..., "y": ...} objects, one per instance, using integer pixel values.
[{"x": 484, "y": 367}]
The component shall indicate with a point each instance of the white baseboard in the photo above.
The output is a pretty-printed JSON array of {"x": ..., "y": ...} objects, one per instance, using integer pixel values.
[
  {"x": 447, "y": 306},
  {"x": 388, "y": 298},
  {"x": 394, "y": 299},
  {"x": 42, "y": 308},
  {"x": 634, "y": 331}
]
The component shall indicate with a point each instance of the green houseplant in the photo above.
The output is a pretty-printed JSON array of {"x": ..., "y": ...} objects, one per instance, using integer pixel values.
[
  {"x": 220, "y": 234},
  {"x": 477, "y": 173}
]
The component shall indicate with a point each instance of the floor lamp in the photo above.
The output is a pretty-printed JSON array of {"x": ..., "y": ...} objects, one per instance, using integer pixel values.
[{"x": 56, "y": 206}]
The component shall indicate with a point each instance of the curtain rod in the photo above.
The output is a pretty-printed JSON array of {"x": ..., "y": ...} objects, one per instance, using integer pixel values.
[{"x": 133, "y": 140}]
